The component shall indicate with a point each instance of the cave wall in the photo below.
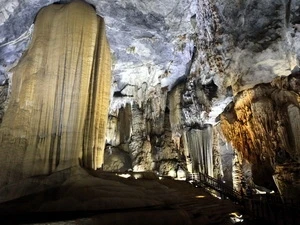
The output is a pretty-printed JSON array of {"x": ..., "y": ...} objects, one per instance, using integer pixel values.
[
  {"x": 262, "y": 125},
  {"x": 266, "y": 118},
  {"x": 213, "y": 49},
  {"x": 57, "y": 112},
  {"x": 219, "y": 41},
  {"x": 149, "y": 143}
]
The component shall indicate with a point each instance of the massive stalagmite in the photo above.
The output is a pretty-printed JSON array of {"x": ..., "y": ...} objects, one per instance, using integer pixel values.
[{"x": 60, "y": 91}]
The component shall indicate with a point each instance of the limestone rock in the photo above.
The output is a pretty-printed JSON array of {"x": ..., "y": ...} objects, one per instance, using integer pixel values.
[
  {"x": 213, "y": 50},
  {"x": 199, "y": 143},
  {"x": 150, "y": 41},
  {"x": 287, "y": 179},
  {"x": 116, "y": 160},
  {"x": 261, "y": 116},
  {"x": 262, "y": 124},
  {"x": 235, "y": 44},
  {"x": 60, "y": 92}
]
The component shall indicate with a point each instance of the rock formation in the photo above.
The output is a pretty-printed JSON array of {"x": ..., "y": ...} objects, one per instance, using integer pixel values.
[
  {"x": 57, "y": 112},
  {"x": 263, "y": 126},
  {"x": 177, "y": 65}
]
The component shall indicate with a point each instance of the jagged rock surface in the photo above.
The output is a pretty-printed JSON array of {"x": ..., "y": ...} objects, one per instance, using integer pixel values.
[
  {"x": 153, "y": 42},
  {"x": 262, "y": 123},
  {"x": 146, "y": 144},
  {"x": 149, "y": 40}
]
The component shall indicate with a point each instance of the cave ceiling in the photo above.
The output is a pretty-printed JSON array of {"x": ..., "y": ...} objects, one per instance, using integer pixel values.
[{"x": 157, "y": 44}]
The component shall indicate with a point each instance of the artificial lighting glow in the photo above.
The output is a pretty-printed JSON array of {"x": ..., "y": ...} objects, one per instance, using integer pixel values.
[
  {"x": 235, "y": 217},
  {"x": 200, "y": 196},
  {"x": 137, "y": 176},
  {"x": 216, "y": 196},
  {"x": 126, "y": 175},
  {"x": 236, "y": 214},
  {"x": 259, "y": 192}
]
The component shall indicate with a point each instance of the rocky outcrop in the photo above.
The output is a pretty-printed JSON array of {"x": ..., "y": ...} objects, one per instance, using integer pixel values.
[
  {"x": 150, "y": 41},
  {"x": 264, "y": 116},
  {"x": 57, "y": 114},
  {"x": 147, "y": 144},
  {"x": 262, "y": 123}
]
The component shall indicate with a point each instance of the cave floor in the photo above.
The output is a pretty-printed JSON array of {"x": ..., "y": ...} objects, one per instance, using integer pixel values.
[{"x": 94, "y": 197}]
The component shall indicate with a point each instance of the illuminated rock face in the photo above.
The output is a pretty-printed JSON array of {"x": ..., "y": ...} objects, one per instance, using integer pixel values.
[
  {"x": 199, "y": 145},
  {"x": 57, "y": 113},
  {"x": 139, "y": 141},
  {"x": 213, "y": 49},
  {"x": 263, "y": 125},
  {"x": 263, "y": 121}
]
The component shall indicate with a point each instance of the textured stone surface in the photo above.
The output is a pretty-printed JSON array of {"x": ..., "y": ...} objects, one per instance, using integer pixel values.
[
  {"x": 58, "y": 108},
  {"x": 199, "y": 144},
  {"x": 263, "y": 127},
  {"x": 141, "y": 141},
  {"x": 212, "y": 49},
  {"x": 149, "y": 40},
  {"x": 116, "y": 160},
  {"x": 153, "y": 42},
  {"x": 261, "y": 116},
  {"x": 287, "y": 177}
]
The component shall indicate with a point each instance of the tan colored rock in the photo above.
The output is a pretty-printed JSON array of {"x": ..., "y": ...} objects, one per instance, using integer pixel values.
[
  {"x": 258, "y": 123},
  {"x": 176, "y": 114},
  {"x": 287, "y": 179},
  {"x": 58, "y": 108},
  {"x": 263, "y": 126}
]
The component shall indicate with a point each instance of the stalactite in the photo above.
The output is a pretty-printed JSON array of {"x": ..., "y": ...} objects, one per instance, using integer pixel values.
[
  {"x": 176, "y": 114},
  {"x": 119, "y": 126},
  {"x": 217, "y": 164},
  {"x": 124, "y": 125},
  {"x": 60, "y": 96},
  {"x": 294, "y": 118},
  {"x": 98, "y": 102},
  {"x": 138, "y": 136},
  {"x": 112, "y": 131},
  {"x": 154, "y": 106},
  {"x": 237, "y": 173},
  {"x": 187, "y": 153},
  {"x": 257, "y": 124},
  {"x": 200, "y": 148},
  {"x": 262, "y": 124}
]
